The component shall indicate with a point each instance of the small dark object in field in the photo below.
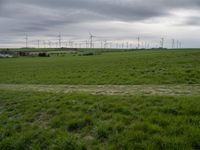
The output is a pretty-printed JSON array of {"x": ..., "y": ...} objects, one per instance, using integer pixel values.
[
  {"x": 43, "y": 55},
  {"x": 23, "y": 53},
  {"x": 89, "y": 53}
]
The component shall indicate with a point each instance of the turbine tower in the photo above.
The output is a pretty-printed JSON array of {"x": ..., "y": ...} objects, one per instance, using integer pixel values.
[
  {"x": 60, "y": 40},
  {"x": 180, "y": 45},
  {"x": 49, "y": 44},
  {"x": 91, "y": 40},
  {"x": 105, "y": 44},
  {"x": 86, "y": 44},
  {"x": 38, "y": 42},
  {"x": 177, "y": 43},
  {"x": 173, "y": 43},
  {"x": 101, "y": 44},
  {"x": 26, "y": 38},
  {"x": 162, "y": 42},
  {"x": 138, "y": 45}
]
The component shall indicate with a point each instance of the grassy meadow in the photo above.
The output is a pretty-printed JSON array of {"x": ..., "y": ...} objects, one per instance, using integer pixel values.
[
  {"x": 79, "y": 121},
  {"x": 32, "y": 119},
  {"x": 126, "y": 68}
]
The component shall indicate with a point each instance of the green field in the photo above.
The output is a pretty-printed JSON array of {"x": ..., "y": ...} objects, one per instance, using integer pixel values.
[
  {"x": 80, "y": 121},
  {"x": 146, "y": 67},
  {"x": 139, "y": 100}
]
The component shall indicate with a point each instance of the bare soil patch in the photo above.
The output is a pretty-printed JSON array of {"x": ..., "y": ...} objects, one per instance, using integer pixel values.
[{"x": 162, "y": 90}]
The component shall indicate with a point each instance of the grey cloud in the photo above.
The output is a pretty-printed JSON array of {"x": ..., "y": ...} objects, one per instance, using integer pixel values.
[
  {"x": 194, "y": 21},
  {"x": 90, "y": 10},
  {"x": 17, "y": 16},
  {"x": 128, "y": 10},
  {"x": 114, "y": 9}
]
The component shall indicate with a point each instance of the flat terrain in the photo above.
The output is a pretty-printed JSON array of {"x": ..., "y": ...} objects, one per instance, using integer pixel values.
[
  {"x": 35, "y": 120},
  {"x": 118, "y": 101},
  {"x": 148, "y": 90},
  {"x": 127, "y": 68}
]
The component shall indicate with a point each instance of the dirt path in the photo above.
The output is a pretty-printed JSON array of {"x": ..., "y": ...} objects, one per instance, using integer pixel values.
[{"x": 163, "y": 90}]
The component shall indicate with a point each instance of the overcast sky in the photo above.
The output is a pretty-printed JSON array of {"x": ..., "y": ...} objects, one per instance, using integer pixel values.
[{"x": 116, "y": 20}]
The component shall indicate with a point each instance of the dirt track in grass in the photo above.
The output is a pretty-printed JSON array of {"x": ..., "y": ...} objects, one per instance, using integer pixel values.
[{"x": 160, "y": 90}]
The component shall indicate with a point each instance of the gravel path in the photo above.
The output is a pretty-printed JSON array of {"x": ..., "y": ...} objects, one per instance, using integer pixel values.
[{"x": 162, "y": 90}]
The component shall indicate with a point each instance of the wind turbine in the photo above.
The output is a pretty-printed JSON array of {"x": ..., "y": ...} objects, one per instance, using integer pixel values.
[
  {"x": 105, "y": 44},
  {"x": 138, "y": 40},
  {"x": 177, "y": 43},
  {"x": 38, "y": 42},
  {"x": 49, "y": 44},
  {"x": 60, "y": 40},
  {"x": 162, "y": 42},
  {"x": 26, "y": 38},
  {"x": 173, "y": 43},
  {"x": 91, "y": 39}
]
